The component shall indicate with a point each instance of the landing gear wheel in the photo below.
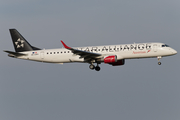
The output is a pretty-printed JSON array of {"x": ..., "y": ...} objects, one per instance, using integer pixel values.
[
  {"x": 159, "y": 58},
  {"x": 97, "y": 68},
  {"x": 91, "y": 67}
]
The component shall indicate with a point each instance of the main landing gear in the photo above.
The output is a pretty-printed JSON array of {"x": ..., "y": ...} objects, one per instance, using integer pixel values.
[
  {"x": 92, "y": 67},
  {"x": 159, "y": 58}
]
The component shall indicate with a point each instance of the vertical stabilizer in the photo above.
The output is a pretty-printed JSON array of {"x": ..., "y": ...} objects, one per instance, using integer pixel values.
[{"x": 19, "y": 42}]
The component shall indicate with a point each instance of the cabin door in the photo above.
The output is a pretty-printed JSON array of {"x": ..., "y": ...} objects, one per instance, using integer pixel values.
[
  {"x": 155, "y": 47},
  {"x": 42, "y": 55}
]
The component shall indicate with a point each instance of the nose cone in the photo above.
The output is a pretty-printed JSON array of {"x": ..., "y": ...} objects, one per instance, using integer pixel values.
[{"x": 174, "y": 51}]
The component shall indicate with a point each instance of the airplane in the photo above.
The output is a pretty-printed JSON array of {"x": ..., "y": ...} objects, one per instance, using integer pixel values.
[{"x": 114, "y": 55}]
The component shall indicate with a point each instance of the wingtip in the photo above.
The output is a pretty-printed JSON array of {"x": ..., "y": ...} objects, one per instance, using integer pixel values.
[{"x": 65, "y": 45}]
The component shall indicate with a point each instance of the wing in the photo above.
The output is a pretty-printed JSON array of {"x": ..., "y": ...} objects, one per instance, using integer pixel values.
[{"x": 83, "y": 54}]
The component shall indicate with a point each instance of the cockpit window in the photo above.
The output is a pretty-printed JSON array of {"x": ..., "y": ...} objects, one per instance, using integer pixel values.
[{"x": 165, "y": 45}]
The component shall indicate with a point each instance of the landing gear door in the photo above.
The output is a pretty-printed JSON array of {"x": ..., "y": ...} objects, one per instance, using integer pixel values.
[{"x": 155, "y": 47}]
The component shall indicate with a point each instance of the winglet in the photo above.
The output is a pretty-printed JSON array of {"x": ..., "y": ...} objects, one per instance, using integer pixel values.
[{"x": 65, "y": 45}]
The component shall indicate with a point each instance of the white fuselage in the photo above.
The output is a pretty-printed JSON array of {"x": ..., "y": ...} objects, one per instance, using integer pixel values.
[{"x": 125, "y": 51}]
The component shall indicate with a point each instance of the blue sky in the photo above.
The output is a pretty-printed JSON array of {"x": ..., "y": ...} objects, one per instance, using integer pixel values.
[{"x": 138, "y": 90}]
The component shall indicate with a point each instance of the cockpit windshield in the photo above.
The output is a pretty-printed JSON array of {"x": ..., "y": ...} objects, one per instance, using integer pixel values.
[{"x": 165, "y": 45}]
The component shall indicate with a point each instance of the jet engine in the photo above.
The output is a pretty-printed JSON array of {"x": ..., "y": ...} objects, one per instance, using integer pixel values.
[
  {"x": 118, "y": 63},
  {"x": 112, "y": 60}
]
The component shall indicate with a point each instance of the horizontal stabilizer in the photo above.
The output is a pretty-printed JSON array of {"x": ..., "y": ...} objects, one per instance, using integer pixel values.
[{"x": 14, "y": 54}]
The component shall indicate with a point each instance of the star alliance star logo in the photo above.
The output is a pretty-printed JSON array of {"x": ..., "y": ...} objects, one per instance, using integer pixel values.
[{"x": 19, "y": 43}]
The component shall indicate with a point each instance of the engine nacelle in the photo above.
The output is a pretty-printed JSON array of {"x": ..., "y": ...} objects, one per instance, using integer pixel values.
[
  {"x": 119, "y": 62},
  {"x": 110, "y": 59}
]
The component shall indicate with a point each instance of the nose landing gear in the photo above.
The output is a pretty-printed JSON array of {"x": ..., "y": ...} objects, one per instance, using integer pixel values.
[{"x": 159, "y": 58}]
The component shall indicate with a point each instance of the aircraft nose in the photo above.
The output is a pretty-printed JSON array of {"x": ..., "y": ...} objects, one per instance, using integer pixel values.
[{"x": 174, "y": 51}]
